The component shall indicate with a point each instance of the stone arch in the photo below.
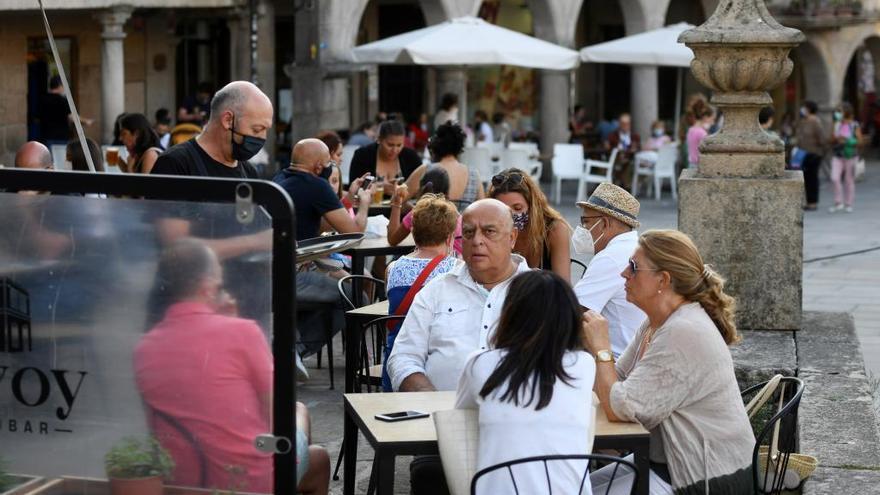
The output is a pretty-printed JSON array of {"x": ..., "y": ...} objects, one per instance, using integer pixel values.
[{"x": 817, "y": 74}]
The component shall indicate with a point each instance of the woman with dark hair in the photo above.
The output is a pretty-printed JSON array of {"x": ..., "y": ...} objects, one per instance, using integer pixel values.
[
  {"x": 534, "y": 388},
  {"x": 448, "y": 110},
  {"x": 811, "y": 137},
  {"x": 78, "y": 160},
  {"x": 387, "y": 158},
  {"x": 435, "y": 181},
  {"x": 334, "y": 144},
  {"x": 465, "y": 183},
  {"x": 544, "y": 236},
  {"x": 141, "y": 141}
]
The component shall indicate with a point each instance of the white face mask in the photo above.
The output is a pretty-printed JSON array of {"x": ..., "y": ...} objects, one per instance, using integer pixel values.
[{"x": 583, "y": 241}]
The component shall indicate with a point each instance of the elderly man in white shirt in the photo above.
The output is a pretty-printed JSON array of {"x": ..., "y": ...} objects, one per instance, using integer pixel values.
[
  {"x": 456, "y": 313},
  {"x": 607, "y": 229}
]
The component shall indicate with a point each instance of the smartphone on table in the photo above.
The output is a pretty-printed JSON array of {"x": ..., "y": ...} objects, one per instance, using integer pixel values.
[{"x": 401, "y": 416}]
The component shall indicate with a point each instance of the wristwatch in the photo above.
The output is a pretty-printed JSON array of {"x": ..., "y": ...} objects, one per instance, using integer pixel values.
[{"x": 604, "y": 356}]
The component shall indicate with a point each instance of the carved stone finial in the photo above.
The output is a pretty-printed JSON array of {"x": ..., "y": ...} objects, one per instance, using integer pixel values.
[{"x": 740, "y": 53}]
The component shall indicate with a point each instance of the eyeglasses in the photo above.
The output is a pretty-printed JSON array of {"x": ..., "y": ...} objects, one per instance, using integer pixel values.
[
  {"x": 585, "y": 220},
  {"x": 634, "y": 267},
  {"x": 512, "y": 179}
]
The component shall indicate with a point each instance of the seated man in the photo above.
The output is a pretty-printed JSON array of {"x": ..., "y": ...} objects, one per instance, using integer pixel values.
[
  {"x": 318, "y": 208},
  {"x": 456, "y": 313},
  {"x": 206, "y": 371},
  {"x": 628, "y": 143},
  {"x": 34, "y": 155},
  {"x": 607, "y": 229}
]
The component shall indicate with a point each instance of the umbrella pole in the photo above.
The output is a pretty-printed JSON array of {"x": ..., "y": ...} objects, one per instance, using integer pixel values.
[{"x": 678, "y": 90}]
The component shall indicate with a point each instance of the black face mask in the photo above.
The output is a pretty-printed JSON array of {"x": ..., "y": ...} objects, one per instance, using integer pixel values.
[{"x": 249, "y": 146}]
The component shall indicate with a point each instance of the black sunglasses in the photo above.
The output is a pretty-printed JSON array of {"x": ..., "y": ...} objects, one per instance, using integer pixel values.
[
  {"x": 635, "y": 268},
  {"x": 513, "y": 179}
]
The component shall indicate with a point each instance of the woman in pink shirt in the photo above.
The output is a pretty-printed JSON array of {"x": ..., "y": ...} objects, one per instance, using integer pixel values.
[
  {"x": 435, "y": 180},
  {"x": 705, "y": 117}
]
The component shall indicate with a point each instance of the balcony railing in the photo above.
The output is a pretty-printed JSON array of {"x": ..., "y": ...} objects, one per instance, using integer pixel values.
[{"x": 822, "y": 14}]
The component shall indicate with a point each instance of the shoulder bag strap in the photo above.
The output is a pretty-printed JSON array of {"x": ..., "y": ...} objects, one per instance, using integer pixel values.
[{"x": 415, "y": 288}]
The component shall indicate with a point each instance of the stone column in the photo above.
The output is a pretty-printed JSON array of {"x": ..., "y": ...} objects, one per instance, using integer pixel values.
[
  {"x": 741, "y": 207},
  {"x": 555, "y": 95},
  {"x": 645, "y": 106},
  {"x": 453, "y": 80},
  {"x": 112, "y": 67}
]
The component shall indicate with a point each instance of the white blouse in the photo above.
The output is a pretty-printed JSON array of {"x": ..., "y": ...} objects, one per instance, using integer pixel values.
[{"x": 509, "y": 432}]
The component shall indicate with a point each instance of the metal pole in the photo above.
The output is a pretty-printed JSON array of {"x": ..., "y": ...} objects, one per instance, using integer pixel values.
[{"x": 253, "y": 40}]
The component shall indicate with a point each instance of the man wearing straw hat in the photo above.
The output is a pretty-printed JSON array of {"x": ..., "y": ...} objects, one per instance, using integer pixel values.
[{"x": 607, "y": 230}]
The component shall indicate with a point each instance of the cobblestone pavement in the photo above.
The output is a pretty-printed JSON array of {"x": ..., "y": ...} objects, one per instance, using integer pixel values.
[{"x": 842, "y": 283}]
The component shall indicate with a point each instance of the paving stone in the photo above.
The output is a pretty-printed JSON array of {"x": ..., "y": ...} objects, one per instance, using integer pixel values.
[
  {"x": 827, "y": 343},
  {"x": 827, "y": 481},
  {"x": 836, "y": 421}
]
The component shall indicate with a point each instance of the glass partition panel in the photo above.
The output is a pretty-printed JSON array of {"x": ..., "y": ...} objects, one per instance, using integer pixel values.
[{"x": 130, "y": 329}]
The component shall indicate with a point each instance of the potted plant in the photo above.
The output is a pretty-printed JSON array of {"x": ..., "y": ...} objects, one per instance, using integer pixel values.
[
  {"x": 137, "y": 467},
  {"x": 11, "y": 484}
]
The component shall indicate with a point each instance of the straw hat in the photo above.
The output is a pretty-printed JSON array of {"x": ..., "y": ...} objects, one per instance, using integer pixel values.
[{"x": 613, "y": 201}]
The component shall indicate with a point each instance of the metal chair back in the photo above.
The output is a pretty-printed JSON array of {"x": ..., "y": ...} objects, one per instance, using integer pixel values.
[
  {"x": 375, "y": 293},
  {"x": 543, "y": 461},
  {"x": 775, "y": 423}
]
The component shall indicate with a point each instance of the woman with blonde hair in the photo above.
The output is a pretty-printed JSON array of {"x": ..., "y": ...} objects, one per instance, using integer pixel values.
[
  {"x": 676, "y": 377},
  {"x": 544, "y": 236},
  {"x": 434, "y": 222}
]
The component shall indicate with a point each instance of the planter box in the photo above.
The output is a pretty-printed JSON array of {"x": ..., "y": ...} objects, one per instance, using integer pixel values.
[
  {"x": 91, "y": 486},
  {"x": 23, "y": 484}
]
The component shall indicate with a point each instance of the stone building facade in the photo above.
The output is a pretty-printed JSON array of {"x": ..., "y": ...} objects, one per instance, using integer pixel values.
[
  {"x": 823, "y": 63},
  {"x": 128, "y": 56}
]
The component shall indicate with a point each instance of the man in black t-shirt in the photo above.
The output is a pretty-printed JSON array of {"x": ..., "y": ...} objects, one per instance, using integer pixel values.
[{"x": 241, "y": 115}]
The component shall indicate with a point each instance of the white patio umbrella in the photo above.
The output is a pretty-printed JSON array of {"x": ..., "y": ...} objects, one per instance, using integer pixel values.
[
  {"x": 659, "y": 47},
  {"x": 467, "y": 41}
]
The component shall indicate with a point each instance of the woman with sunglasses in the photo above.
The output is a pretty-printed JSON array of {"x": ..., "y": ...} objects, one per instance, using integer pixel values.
[
  {"x": 676, "y": 377},
  {"x": 465, "y": 184},
  {"x": 544, "y": 236}
]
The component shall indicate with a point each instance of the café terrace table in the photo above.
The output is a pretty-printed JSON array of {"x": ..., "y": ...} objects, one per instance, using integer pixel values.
[
  {"x": 374, "y": 246},
  {"x": 418, "y": 436}
]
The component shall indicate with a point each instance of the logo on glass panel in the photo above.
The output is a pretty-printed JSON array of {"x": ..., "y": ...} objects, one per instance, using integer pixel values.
[
  {"x": 31, "y": 388},
  {"x": 15, "y": 316}
]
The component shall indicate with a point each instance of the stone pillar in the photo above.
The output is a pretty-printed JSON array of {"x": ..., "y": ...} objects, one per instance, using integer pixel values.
[
  {"x": 453, "y": 80},
  {"x": 645, "y": 104},
  {"x": 239, "y": 42},
  {"x": 741, "y": 207},
  {"x": 307, "y": 75},
  {"x": 555, "y": 94},
  {"x": 112, "y": 67}
]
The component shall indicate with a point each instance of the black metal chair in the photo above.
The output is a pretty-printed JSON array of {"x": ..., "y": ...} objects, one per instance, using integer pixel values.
[
  {"x": 374, "y": 293},
  {"x": 775, "y": 425},
  {"x": 371, "y": 374},
  {"x": 186, "y": 435},
  {"x": 580, "y": 264},
  {"x": 591, "y": 459}
]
